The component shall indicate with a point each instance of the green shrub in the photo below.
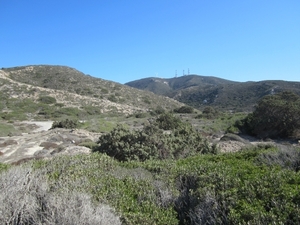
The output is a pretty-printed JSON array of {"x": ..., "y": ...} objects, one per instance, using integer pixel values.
[
  {"x": 275, "y": 116},
  {"x": 3, "y": 167},
  {"x": 6, "y": 129},
  {"x": 135, "y": 196},
  {"x": 231, "y": 189},
  {"x": 209, "y": 113},
  {"x": 168, "y": 121},
  {"x": 203, "y": 189},
  {"x": 89, "y": 144},
  {"x": 159, "y": 110},
  {"x": 147, "y": 100},
  {"x": 47, "y": 100},
  {"x": 112, "y": 98},
  {"x": 67, "y": 123},
  {"x": 184, "y": 109},
  {"x": 59, "y": 105},
  {"x": 140, "y": 115},
  {"x": 67, "y": 111},
  {"x": 153, "y": 143},
  {"x": 233, "y": 129}
]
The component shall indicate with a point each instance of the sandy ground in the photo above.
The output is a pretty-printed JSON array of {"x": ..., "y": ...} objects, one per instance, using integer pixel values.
[
  {"x": 42, "y": 125},
  {"x": 25, "y": 145},
  {"x": 32, "y": 144}
]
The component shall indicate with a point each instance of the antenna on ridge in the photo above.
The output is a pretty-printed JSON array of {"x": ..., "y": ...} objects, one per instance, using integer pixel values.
[
  {"x": 175, "y": 73},
  {"x": 183, "y": 72}
]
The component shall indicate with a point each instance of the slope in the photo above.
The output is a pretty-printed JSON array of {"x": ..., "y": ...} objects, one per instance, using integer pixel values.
[{"x": 27, "y": 88}]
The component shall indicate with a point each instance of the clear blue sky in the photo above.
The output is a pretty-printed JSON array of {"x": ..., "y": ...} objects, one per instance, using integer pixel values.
[{"x": 125, "y": 40}]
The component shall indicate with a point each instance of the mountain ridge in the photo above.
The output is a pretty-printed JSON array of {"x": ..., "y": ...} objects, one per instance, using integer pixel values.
[{"x": 200, "y": 91}]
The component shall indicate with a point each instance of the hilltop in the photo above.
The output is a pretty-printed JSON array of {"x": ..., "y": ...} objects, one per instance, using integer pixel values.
[{"x": 200, "y": 91}]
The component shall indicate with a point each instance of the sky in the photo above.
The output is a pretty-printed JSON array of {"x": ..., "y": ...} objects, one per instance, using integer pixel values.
[{"x": 126, "y": 40}]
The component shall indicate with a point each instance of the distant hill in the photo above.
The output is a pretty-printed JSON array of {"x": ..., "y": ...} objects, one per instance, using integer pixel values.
[
  {"x": 200, "y": 91},
  {"x": 22, "y": 87}
]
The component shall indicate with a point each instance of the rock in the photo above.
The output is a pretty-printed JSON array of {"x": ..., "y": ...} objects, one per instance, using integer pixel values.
[{"x": 234, "y": 137}]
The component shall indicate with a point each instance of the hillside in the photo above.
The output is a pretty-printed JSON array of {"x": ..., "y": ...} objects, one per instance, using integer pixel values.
[
  {"x": 201, "y": 91},
  {"x": 27, "y": 88}
]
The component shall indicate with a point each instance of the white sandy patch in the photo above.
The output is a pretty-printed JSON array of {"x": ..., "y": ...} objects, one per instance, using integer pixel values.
[
  {"x": 42, "y": 125},
  {"x": 32, "y": 150},
  {"x": 9, "y": 153}
]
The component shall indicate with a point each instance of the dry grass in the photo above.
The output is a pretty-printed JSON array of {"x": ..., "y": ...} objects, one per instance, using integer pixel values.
[{"x": 25, "y": 199}]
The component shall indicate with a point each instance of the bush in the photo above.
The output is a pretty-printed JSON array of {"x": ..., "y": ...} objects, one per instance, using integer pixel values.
[
  {"x": 159, "y": 110},
  {"x": 231, "y": 189},
  {"x": 168, "y": 121},
  {"x": 184, "y": 109},
  {"x": 209, "y": 113},
  {"x": 286, "y": 157},
  {"x": 47, "y": 99},
  {"x": 140, "y": 115},
  {"x": 25, "y": 199},
  {"x": 89, "y": 144},
  {"x": 67, "y": 123},
  {"x": 132, "y": 192},
  {"x": 153, "y": 142},
  {"x": 275, "y": 116}
]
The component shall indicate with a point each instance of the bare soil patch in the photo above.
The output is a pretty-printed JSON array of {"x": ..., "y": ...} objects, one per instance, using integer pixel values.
[{"x": 41, "y": 142}]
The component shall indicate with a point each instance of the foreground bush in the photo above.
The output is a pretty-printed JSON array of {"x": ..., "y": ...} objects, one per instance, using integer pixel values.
[
  {"x": 246, "y": 187},
  {"x": 231, "y": 189},
  {"x": 25, "y": 199},
  {"x": 136, "y": 196}
]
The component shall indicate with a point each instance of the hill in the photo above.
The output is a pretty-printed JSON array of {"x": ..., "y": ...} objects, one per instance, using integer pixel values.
[
  {"x": 30, "y": 88},
  {"x": 200, "y": 91}
]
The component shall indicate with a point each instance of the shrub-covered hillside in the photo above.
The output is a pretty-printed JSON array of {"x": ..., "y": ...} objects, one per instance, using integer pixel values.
[
  {"x": 201, "y": 91},
  {"x": 70, "y": 85}
]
